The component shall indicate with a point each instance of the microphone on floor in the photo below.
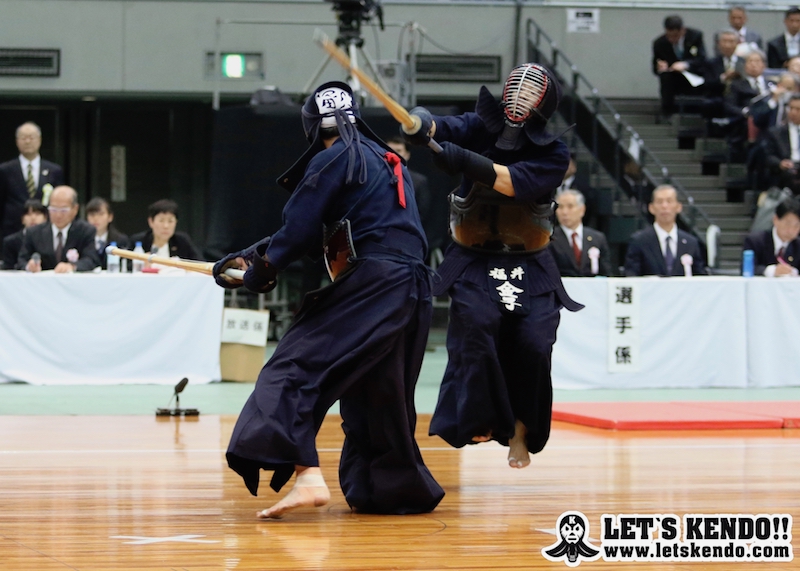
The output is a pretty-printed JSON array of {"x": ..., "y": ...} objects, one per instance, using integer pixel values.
[{"x": 178, "y": 411}]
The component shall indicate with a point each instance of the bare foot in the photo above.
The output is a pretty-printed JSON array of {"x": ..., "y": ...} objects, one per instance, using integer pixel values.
[
  {"x": 486, "y": 438},
  {"x": 309, "y": 490},
  {"x": 518, "y": 456}
]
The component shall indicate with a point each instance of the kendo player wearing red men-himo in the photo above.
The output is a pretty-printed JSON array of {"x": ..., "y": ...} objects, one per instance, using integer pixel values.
[
  {"x": 503, "y": 282},
  {"x": 360, "y": 340}
]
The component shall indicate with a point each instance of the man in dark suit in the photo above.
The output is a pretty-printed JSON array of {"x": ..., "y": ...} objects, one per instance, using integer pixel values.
[
  {"x": 35, "y": 214},
  {"x": 28, "y": 176},
  {"x": 726, "y": 66},
  {"x": 786, "y": 46},
  {"x": 662, "y": 249},
  {"x": 64, "y": 244},
  {"x": 162, "y": 239},
  {"x": 579, "y": 251},
  {"x": 782, "y": 149},
  {"x": 100, "y": 215},
  {"x": 737, "y": 18},
  {"x": 678, "y": 50},
  {"x": 776, "y": 252},
  {"x": 744, "y": 93}
]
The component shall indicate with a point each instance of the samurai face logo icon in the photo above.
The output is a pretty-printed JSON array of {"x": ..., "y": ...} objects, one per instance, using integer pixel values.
[{"x": 572, "y": 545}]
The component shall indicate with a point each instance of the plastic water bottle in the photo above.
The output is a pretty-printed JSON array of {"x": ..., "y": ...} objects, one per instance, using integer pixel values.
[
  {"x": 112, "y": 261},
  {"x": 138, "y": 265},
  {"x": 747, "y": 263}
]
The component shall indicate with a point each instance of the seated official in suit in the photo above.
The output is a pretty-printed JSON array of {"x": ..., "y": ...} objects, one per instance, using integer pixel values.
[
  {"x": 745, "y": 92},
  {"x": 737, "y": 19},
  {"x": 162, "y": 239},
  {"x": 782, "y": 149},
  {"x": 678, "y": 50},
  {"x": 35, "y": 213},
  {"x": 28, "y": 176},
  {"x": 662, "y": 249},
  {"x": 782, "y": 48},
  {"x": 100, "y": 215},
  {"x": 578, "y": 249},
  {"x": 726, "y": 66},
  {"x": 64, "y": 244},
  {"x": 776, "y": 252}
]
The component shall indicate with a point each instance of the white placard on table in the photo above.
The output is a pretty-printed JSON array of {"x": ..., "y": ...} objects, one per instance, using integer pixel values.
[{"x": 245, "y": 326}]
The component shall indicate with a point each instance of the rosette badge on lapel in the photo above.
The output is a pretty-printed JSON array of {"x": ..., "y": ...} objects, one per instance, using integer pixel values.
[
  {"x": 47, "y": 190},
  {"x": 73, "y": 256},
  {"x": 693, "y": 50}
]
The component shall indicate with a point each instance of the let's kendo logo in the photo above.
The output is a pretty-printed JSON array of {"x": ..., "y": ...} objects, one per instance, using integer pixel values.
[{"x": 666, "y": 537}]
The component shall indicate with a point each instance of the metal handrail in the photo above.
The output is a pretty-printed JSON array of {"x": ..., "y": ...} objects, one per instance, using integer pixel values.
[{"x": 651, "y": 168}]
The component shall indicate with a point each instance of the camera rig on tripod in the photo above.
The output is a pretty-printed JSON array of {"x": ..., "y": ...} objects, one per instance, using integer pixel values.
[{"x": 350, "y": 14}]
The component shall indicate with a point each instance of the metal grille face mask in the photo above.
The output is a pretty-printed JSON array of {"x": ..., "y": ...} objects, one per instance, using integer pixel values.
[{"x": 524, "y": 92}]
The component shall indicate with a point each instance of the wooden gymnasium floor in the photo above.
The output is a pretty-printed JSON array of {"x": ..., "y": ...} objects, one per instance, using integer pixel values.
[{"x": 136, "y": 493}]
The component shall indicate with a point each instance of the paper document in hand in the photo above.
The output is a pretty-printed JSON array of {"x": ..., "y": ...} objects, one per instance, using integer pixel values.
[{"x": 693, "y": 79}]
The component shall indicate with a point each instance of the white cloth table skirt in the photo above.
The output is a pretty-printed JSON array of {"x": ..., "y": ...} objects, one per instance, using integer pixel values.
[
  {"x": 109, "y": 328},
  {"x": 773, "y": 332},
  {"x": 692, "y": 332}
]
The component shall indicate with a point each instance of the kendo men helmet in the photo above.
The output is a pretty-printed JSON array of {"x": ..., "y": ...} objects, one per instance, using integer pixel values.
[
  {"x": 531, "y": 95},
  {"x": 332, "y": 110},
  {"x": 530, "y": 92},
  {"x": 319, "y": 110}
]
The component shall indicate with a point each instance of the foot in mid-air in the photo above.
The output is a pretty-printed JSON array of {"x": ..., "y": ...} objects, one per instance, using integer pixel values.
[
  {"x": 518, "y": 456},
  {"x": 309, "y": 490}
]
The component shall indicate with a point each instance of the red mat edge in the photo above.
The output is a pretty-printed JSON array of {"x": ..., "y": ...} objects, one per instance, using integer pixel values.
[
  {"x": 754, "y": 421},
  {"x": 720, "y": 405}
]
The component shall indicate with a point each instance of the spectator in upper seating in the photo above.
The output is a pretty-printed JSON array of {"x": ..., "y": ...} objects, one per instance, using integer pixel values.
[
  {"x": 27, "y": 176},
  {"x": 776, "y": 252},
  {"x": 726, "y": 66},
  {"x": 65, "y": 245},
  {"x": 162, "y": 239},
  {"x": 737, "y": 18},
  {"x": 678, "y": 50},
  {"x": 782, "y": 149},
  {"x": 661, "y": 249},
  {"x": 744, "y": 92},
  {"x": 781, "y": 48},
  {"x": 100, "y": 215},
  {"x": 793, "y": 66},
  {"x": 578, "y": 249},
  {"x": 569, "y": 177},
  {"x": 771, "y": 112},
  {"x": 35, "y": 213}
]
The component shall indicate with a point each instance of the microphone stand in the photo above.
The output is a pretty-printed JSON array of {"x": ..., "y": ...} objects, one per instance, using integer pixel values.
[{"x": 178, "y": 411}]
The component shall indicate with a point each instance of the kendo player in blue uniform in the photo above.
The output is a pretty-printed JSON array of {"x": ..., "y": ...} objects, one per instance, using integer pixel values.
[
  {"x": 504, "y": 285},
  {"x": 360, "y": 340}
]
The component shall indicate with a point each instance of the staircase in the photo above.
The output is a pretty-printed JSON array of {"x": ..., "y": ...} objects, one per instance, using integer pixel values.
[{"x": 729, "y": 208}]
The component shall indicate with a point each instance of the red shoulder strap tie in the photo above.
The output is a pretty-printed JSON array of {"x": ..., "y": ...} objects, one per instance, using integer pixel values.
[{"x": 397, "y": 164}]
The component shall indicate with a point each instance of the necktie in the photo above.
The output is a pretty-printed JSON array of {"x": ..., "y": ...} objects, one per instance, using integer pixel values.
[
  {"x": 679, "y": 51},
  {"x": 780, "y": 253},
  {"x": 100, "y": 246},
  {"x": 29, "y": 182},
  {"x": 669, "y": 259},
  {"x": 576, "y": 249},
  {"x": 59, "y": 246}
]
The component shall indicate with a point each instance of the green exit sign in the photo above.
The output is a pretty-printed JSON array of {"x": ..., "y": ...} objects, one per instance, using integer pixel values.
[{"x": 232, "y": 65}]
